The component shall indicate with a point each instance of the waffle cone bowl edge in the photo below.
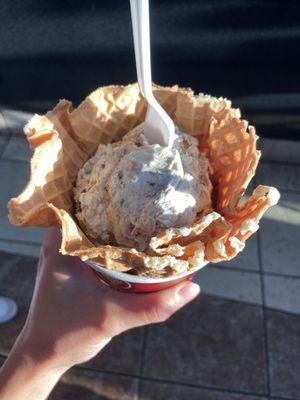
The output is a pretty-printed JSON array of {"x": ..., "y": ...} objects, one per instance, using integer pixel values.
[{"x": 65, "y": 138}]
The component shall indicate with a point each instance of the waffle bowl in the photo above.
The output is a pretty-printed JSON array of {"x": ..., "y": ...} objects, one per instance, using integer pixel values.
[{"x": 65, "y": 138}]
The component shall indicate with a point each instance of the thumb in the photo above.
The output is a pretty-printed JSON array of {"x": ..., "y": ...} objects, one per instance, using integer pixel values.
[{"x": 142, "y": 309}]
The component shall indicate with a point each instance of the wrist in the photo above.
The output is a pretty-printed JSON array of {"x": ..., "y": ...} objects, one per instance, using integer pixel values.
[
  {"x": 25, "y": 376},
  {"x": 65, "y": 352},
  {"x": 40, "y": 354}
]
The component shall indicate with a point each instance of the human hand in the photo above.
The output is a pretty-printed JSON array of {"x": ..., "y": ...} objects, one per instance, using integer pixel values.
[{"x": 72, "y": 315}]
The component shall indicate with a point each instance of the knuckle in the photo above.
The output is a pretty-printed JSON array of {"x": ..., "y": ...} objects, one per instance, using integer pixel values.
[{"x": 160, "y": 311}]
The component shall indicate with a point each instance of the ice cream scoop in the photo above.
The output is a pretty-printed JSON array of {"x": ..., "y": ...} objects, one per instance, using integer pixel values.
[{"x": 131, "y": 190}]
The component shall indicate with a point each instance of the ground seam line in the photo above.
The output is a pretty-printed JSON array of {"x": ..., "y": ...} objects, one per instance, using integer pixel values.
[
  {"x": 142, "y": 363},
  {"x": 264, "y": 311},
  {"x": 251, "y": 271},
  {"x": 179, "y": 383}
]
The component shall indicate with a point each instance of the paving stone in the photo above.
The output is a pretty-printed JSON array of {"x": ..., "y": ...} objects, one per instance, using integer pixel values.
[
  {"x": 3, "y": 143},
  {"x": 211, "y": 342},
  {"x": 230, "y": 284},
  {"x": 284, "y": 354},
  {"x": 92, "y": 385},
  {"x": 280, "y": 236},
  {"x": 123, "y": 354},
  {"x": 158, "y": 390},
  {"x": 280, "y": 176},
  {"x": 18, "y": 149},
  {"x": 3, "y": 126},
  {"x": 15, "y": 120},
  {"x": 248, "y": 258},
  {"x": 14, "y": 177},
  {"x": 23, "y": 249},
  {"x": 17, "y": 277},
  {"x": 282, "y": 293}
]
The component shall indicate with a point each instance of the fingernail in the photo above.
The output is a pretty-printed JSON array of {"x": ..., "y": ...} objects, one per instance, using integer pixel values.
[{"x": 188, "y": 292}]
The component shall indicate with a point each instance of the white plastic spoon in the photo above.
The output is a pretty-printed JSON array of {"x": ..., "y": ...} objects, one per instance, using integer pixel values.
[{"x": 158, "y": 127}]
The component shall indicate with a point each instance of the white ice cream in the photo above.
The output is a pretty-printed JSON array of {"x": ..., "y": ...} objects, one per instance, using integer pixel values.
[{"x": 130, "y": 191}]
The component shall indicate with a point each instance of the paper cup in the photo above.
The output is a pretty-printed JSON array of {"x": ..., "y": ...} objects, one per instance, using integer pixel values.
[{"x": 138, "y": 284}]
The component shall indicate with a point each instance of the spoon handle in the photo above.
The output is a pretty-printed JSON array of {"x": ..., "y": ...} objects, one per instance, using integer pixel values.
[
  {"x": 141, "y": 37},
  {"x": 158, "y": 126}
]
